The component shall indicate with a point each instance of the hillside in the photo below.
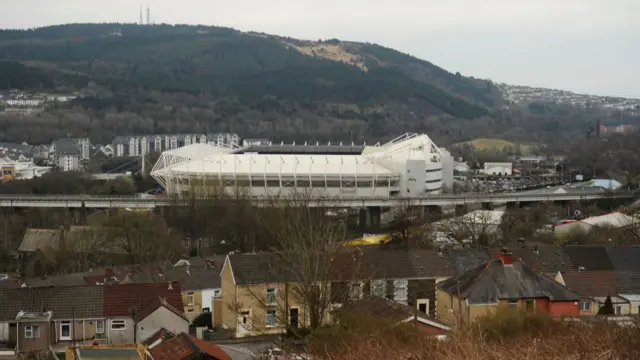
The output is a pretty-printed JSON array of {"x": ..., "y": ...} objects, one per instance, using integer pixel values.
[{"x": 162, "y": 78}]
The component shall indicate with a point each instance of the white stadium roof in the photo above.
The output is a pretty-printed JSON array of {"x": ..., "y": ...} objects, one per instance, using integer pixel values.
[{"x": 286, "y": 164}]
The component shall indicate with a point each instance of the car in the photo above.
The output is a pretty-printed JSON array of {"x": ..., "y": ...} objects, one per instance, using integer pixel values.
[{"x": 4, "y": 277}]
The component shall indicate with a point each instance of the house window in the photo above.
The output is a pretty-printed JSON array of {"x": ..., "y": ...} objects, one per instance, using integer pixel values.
[
  {"x": 271, "y": 296},
  {"x": 513, "y": 305},
  {"x": 585, "y": 306},
  {"x": 271, "y": 318},
  {"x": 401, "y": 290},
  {"x": 100, "y": 327},
  {"x": 31, "y": 332},
  {"x": 190, "y": 299},
  {"x": 118, "y": 325},
  {"x": 379, "y": 288},
  {"x": 355, "y": 290},
  {"x": 530, "y": 305},
  {"x": 65, "y": 330},
  {"x": 618, "y": 310}
]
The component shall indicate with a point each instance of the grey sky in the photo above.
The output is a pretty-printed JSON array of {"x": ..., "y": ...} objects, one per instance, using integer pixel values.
[{"x": 589, "y": 46}]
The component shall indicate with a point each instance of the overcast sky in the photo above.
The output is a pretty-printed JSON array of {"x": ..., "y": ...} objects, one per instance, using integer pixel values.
[{"x": 589, "y": 46}]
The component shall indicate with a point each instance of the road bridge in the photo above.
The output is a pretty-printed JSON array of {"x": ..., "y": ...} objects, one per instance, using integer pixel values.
[{"x": 135, "y": 202}]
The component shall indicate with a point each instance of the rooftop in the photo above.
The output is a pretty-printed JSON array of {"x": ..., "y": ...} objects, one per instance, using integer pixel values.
[{"x": 495, "y": 280}]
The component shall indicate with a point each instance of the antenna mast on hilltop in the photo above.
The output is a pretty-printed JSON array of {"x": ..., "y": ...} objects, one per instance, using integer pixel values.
[
  {"x": 141, "y": 20},
  {"x": 148, "y": 15}
]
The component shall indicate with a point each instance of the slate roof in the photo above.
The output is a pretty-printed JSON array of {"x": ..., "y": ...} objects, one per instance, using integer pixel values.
[
  {"x": 184, "y": 346},
  {"x": 544, "y": 258},
  {"x": 590, "y": 257},
  {"x": 126, "y": 299},
  {"x": 67, "y": 147},
  {"x": 64, "y": 302},
  {"x": 466, "y": 259},
  {"x": 384, "y": 309},
  {"x": 92, "y": 277},
  {"x": 625, "y": 258},
  {"x": 41, "y": 239},
  {"x": 348, "y": 264},
  {"x": 202, "y": 275},
  {"x": 494, "y": 281},
  {"x": 591, "y": 283}
]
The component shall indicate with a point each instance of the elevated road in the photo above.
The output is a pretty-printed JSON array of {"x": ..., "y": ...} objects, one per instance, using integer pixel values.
[{"x": 134, "y": 202}]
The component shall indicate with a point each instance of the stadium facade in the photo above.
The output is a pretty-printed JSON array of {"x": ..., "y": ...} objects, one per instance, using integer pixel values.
[{"x": 408, "y": 166}]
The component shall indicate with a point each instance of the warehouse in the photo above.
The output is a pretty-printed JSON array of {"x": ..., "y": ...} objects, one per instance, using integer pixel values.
[{"x": 408, "y": 166}]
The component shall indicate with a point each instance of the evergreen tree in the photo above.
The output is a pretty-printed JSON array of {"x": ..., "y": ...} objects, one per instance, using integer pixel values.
[{"x": 607, "y": 308}]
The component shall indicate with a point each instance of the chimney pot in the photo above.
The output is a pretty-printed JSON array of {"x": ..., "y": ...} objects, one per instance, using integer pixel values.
[{"x": 506, "y": 256}]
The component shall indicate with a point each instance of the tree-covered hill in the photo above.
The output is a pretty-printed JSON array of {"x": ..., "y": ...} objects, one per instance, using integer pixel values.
[{"x": 163, "y": 78}]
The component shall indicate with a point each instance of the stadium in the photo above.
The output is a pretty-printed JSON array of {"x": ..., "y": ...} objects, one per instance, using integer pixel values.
[{"x": 408, "y": 166}]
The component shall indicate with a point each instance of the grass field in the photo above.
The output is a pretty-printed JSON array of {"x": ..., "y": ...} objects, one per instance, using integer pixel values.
[{"x": 487, "y": 144}]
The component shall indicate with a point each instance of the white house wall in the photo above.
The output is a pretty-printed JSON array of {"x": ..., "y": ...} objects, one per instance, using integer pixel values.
[{"x": 161, "y": 318}]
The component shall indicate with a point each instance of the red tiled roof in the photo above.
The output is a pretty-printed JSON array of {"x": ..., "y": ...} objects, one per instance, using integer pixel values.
[
  {"x": 176, "y": 348},
  {"x": 210, "y": 348},
  {"x": 127, "y": 299},
  {"x": 183, "y": 345}
]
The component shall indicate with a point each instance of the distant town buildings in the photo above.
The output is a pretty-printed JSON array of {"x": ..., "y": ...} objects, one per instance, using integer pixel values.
[
  {"x": 145, "y": 144},
  {"x": 523, "y": 94},
  {"x": 20, "y": 102},
  {"x": 68, "y": 153}
]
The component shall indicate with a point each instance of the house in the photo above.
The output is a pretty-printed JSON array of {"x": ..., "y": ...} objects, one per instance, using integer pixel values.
[
  {"x": 254, "y": 285},
  {"x": 76, "y": 314},
  {"x": 84, "y": 248},
  {"x": 199, "y": 280},
  {"x": 390, "y": 311},
  {"x": 159, "y": 311},
  {"x": 186, "y": 347},
  {"x": 502, "y": 283},
  {"x": 108, "y": 314},
  {"x": 33, "y": 331},
  {"x": 593, "y": 287},
  {"x": 36, "y": 251},
  {"x": 124, "y": 302}
]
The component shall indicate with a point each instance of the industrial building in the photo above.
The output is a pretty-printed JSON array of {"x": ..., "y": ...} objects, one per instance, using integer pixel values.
[{"x": 408, "y": 166}]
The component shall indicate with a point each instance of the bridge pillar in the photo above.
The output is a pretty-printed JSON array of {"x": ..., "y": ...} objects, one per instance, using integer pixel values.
[
  {"x": 369, "y": 219},
  {"x": 374, "y": 216}
]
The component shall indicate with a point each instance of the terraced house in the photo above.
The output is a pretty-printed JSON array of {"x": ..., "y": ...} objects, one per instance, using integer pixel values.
[
  {"x": 257, "y": 297},
  {"x": 36, "y": 318}
]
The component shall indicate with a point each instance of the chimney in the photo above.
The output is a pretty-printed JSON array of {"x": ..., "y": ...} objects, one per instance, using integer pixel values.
[{"x": 506, "y": 256}]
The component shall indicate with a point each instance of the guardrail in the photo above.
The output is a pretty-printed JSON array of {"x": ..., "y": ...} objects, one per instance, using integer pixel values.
[{"x": 123, "y": 201}]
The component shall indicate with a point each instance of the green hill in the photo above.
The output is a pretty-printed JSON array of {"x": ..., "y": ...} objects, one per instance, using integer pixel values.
[
  {"x": 163, "y": 78},
  {"x": 196, "y": 78}
]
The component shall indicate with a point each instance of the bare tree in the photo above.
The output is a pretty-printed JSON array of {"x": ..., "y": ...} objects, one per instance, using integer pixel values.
[
  {"x": 82, "y": 248},
  {"x": 480, "y": 227},
  {"x": 144, "y": 237},
  {"x": 306, "y": 259}
]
